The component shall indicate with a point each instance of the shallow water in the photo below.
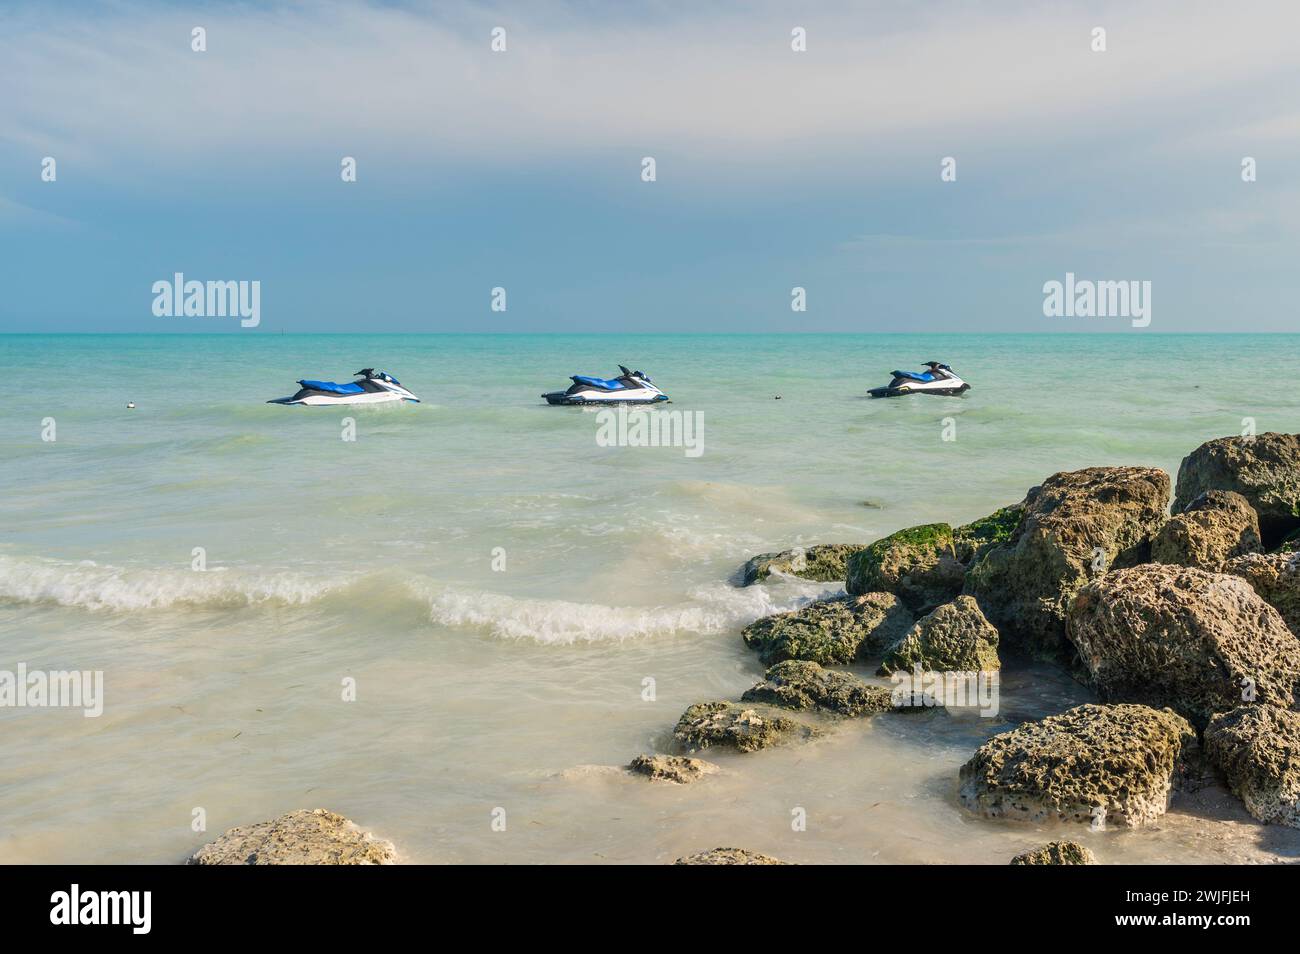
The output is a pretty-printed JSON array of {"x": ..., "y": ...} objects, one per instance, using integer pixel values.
[{"x": 521, "y": 687}]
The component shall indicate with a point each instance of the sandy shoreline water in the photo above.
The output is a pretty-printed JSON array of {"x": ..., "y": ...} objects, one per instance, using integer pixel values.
[{"x": 478, "y": 688}]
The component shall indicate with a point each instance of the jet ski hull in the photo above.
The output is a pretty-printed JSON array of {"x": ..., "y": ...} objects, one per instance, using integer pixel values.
[
  {"x": 371, "y": 387},
  {"x": 630, "y": 387},
  {"x": 905, "y": 389},
  {"x": 608, "y": 399},
  {"x": 308, "y": 398}
]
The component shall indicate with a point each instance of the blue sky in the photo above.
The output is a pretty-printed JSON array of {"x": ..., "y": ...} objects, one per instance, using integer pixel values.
[{"x": 522, "y": 169}]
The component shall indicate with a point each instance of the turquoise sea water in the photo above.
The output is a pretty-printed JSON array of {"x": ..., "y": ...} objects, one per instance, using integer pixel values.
[{"x": 500, "y": 585}]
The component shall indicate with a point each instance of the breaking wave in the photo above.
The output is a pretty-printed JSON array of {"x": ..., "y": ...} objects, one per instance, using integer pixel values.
[
  {"x": 98, "y": 587},
  {"x": 715, "y": 608}
]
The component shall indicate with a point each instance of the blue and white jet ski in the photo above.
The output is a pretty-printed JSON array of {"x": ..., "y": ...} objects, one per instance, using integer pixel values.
[
  {"x": 935, "y": 379},
  {"x": 630, "y": 387},
  {"x": 371, "y": 387}
]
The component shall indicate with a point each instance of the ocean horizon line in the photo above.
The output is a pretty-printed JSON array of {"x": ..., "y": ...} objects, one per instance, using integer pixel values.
[{"x": 641, "y": 334}]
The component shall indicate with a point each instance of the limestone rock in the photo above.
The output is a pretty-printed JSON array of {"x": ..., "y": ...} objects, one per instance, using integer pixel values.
[
  {"x": 919, "y": 565},
  {"x": 1184, "y": 638},
  {"x": 1257, "y": 748},
  {"x": 795, "y": 684},
  {"x": 1056, "y": 853},
  {"x": 1265, "y": 469},
  {"x": 954, "y": 638},
  {"x": 1120, "y": 760},
  {"x": 302, "y": 837},
  {"x": 746, "y": 728},
  {"x": 728, "y": 856},
  {"x": 671, "y": 768},
  {"x": 1077, "y": 525},
  {"x": 1216, "y": 526},
  {"x": 824, "y": 562},
  {"x": 830, "y": 631},
  {"x": 1276, "y": 578}
]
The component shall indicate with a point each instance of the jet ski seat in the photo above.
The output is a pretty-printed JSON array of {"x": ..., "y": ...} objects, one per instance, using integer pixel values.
[
  {"x": 333, "y": 388},
  {"x": 601, "y": 383},
  {"x": 914, "y": 376}
]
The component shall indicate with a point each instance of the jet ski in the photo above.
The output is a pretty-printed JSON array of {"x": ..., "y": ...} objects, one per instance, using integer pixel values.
[
  {"x": 630, "y": 387},
  {"x": 371, "y": 387},
  {"x": 935, "y": 379}
]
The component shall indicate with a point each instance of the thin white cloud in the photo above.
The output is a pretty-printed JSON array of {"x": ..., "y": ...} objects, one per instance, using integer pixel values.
[{"x": 123, "y": 86}]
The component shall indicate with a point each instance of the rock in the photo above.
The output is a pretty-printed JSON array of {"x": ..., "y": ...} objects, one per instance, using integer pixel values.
[
  {"x": 671, "y": 768},
  {"x": 1076, "y": 525},
  {"x": 1216, "y": 526},
  {"x": 301, "y": 837},
  {"x": 1184, "y": 638},
  {"x": 728, "y": 856},
  {"x": 1118, "y": 759},
  {"x": 1265, "y": 469},
  {"x": 795, "y": 684},
  {"x": 1289, "y": 544},
  {"x": 830, "y": 631},
  {"x": 954, "y": 638},
  {"x": 919, "y": 565},
  {"x": 1056, "y": 853},
  {"x": 824, "y": 562},
  {"x": 745, "y": 728},
  {"x": 1257, "y": 748},
  {"x": 975, "y": 538},
  {"x": 1276, "y": 578}
]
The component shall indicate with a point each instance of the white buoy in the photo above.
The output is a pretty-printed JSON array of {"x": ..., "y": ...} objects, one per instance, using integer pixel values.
[{"x": 130, "y": 404}]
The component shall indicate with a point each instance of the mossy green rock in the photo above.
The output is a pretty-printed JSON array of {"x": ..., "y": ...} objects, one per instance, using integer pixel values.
[
  {"x": 1185, "y": 638},
  {"x": 1076, "y": 525},
  {"x": 1118, "y": 763},
  {"x": 1056, "y": 853},
  {"x": 746, "y": 728},
  {"x": 831, "y": 631},
  {"x": 825, "y": 562},
  {"x": 972, "y": 540},
  {"x": 1276, "y": 578},
  {"x": 954, "y": 638},
  {"x": 919, "y": 565},
  {"x": 795, "y": 684},
  {"x": 1264, "y": 468},
  {"x": 1257, "y": 750}
]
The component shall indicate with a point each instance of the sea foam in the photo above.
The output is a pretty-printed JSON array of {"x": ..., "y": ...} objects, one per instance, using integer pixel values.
[{"x": 705, "y": 610}]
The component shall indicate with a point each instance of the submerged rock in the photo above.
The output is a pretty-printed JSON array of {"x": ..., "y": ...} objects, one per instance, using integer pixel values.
[
  {"x": 954, "y": 638},
  {"x": 728, "y": 856},
  {"x": 830, "y": 631},
  {"x": 302, "y": 837},
  {"x": 745, "y": 728},
  {"x": 1216, "y": 526},
  {"x": 1056, "y": 853},
  {"x": 671, "y": 768},
  {"x": 1078, "y": 524},
  {"x": 1116, "y": 763},
  {"x": 1257, "y": 748},
  {"x": 1276, "y": 578},
  {"x": 1185, "y": 638},
  {"x": 919, "y": 565},
  {"x": 824, "y": 562},
  {"x": 1265, "y": 469},
  {"x": 795, "y": 684}
]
